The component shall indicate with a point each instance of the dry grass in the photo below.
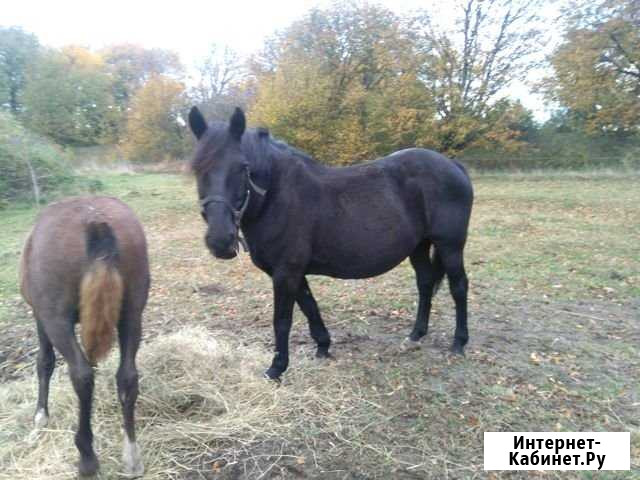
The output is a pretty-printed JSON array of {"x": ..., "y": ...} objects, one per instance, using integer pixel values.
[
  {"x": 553, "y": 264},
  {"x": 203, "y": 406}
]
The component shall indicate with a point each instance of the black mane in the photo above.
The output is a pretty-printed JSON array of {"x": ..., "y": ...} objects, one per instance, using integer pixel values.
[{"x": 258, "y": 145}]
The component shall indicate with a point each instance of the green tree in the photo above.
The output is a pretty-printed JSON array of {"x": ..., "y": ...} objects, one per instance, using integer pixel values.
[
  {"x": 467, "y": 69},
  {"x": 155, "y": 131},
  {"x": 18, "y": 49},
  {"x": 68, "y": 97},
  {"x": 597, "y": 67}
]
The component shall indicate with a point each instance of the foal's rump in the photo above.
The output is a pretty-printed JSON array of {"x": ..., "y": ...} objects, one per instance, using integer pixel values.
[{"x": 83, "y": 257}]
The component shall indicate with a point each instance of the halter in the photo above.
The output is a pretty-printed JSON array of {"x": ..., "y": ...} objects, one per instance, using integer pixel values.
[{"x": 237, "y": 214}]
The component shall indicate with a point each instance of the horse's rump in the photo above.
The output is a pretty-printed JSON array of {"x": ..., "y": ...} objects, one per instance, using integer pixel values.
[{"x": 82, "y": 256}]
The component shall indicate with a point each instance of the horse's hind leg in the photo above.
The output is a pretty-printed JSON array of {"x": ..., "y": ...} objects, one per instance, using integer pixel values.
[
  {"x": 129, "y": 332},
  {"x": 452, "y": 259},
  {"x": 46, "y": 362},
  {"x": 60, "y": 332},
  {"x": 428, "y": 275},
  {"x": 318, "y": 330}
]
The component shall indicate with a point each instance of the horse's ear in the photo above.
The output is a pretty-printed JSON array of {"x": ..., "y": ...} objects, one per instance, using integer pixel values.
[
  {"x": 237, "y": 124},
  {"x": 197, "y": 123}
]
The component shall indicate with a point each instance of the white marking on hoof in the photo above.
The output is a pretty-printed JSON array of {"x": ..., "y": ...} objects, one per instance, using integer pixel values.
[
  {"x": 408, "y": 345},
  {"x": 41, "y": 419},
  {"x": 131, "y": 458}
]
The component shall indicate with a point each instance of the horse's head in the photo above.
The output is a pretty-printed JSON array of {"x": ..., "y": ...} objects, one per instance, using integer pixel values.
[{"x": 222, "y": 173}]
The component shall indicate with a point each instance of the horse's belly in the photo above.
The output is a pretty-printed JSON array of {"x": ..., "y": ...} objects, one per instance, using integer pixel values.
[{"x": 361, "y": 259}]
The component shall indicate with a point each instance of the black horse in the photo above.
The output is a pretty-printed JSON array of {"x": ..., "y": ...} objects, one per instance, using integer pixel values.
[{"x": 299, "y": 217}]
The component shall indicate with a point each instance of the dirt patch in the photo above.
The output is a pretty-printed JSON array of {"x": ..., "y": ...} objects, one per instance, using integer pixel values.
[{"x": 211, "y": 289}]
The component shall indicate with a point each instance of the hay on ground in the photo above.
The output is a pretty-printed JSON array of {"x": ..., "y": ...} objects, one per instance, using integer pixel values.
[{"x": 203, "y": 404}]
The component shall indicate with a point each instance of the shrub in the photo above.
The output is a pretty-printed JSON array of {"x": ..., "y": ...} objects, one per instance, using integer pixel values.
[{"x": 26, "y": 157}]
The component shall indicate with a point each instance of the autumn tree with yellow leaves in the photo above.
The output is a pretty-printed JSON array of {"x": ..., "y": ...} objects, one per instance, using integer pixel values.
[
  {"x": 356, "y": 81},
  {"x": 341, "y": 84},
  {"x": 154, "y": 128},
  {"x": 68, "y": 97},
  {"x": 596, "y": 69}
]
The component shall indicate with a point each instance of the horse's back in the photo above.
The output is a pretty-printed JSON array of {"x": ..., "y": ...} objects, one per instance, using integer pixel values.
[
  {"x": 446, "y": 189},
  {"x": 443, "y": 175},
  {"x": 55, "y": 254}
]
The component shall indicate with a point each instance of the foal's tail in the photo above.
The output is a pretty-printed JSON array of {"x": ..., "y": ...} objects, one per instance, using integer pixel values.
[{"x": 101, "y": 292}]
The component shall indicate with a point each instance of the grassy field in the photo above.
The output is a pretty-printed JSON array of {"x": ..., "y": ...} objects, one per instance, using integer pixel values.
[{"x": 554, "y": 269}]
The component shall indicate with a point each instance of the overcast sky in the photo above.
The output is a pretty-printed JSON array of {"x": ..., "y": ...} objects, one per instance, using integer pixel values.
[{"x": 187, "y": 26}]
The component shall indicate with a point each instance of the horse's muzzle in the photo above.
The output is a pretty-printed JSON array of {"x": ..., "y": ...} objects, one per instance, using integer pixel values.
[{"x": 225, "y": 249}]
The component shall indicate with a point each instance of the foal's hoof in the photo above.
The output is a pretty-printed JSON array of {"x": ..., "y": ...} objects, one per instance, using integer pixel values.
[
  {"x": 457, "y": 349},
  {"x": 41, "y": 419},
  {"x": 132, "y": 459},
  {"x": 134, "y": 472},
  {"x": 88, "y": 467},
  {"x": 273, "y": 374}
]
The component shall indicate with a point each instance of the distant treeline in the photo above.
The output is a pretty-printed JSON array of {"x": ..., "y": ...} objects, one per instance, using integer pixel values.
[{"x": 352, "y": 82}]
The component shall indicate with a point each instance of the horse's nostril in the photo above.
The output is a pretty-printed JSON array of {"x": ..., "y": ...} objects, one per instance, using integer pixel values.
[{"x": 220, "y": 242}]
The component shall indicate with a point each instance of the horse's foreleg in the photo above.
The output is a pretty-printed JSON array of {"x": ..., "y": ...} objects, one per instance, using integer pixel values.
[
  {"x": 45, "y": 364},
  {"x": 129, "y": 332},
  {"x": 428, "y": 275},
  {"x": 318, "y": 330},
  {"x": 285, "y": 289}
]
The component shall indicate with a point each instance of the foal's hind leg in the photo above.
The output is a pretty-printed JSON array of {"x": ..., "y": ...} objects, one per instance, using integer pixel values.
[
  {"x": 428, "y": 275},
  {"x": 45, "y": 364},
  {"x": 452, "y": 259},
  {"x": 318, "y": 330},
  {"x": 129, "y": 332},
  {"x": 60, "y": 332}
]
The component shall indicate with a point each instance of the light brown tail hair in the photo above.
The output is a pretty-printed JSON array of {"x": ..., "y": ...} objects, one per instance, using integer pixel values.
[{"x": 101, "y": 292}]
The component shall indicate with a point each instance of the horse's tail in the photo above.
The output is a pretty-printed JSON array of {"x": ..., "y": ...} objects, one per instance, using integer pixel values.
[
  {"x": 101, "y": 292},
  {"x": 438, "y": 270}
]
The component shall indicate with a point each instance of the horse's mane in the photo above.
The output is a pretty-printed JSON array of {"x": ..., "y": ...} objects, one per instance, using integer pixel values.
[
  {"x": 215, "y": 139},
  {"x": 258, "y": 145}
]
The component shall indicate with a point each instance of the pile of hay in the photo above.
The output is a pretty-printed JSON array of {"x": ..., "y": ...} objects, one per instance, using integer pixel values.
[{"x": 203, "y": 405}]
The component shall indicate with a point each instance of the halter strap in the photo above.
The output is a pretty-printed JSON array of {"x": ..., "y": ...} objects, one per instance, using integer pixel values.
[
  {"x": 237, "y": 214},
  {"x": 256, "y": 188}
]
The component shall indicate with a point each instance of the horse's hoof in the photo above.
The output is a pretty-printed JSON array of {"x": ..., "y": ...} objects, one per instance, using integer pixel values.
[
  {"x": 273, "y": 374},
  {"x": 457, "y": 349},
  {"x": 88, "y": 467},
  {"x": 416, "y": 336},
  {"x": 41, "y": 419},
  {"x": 323, "y": 354}
]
